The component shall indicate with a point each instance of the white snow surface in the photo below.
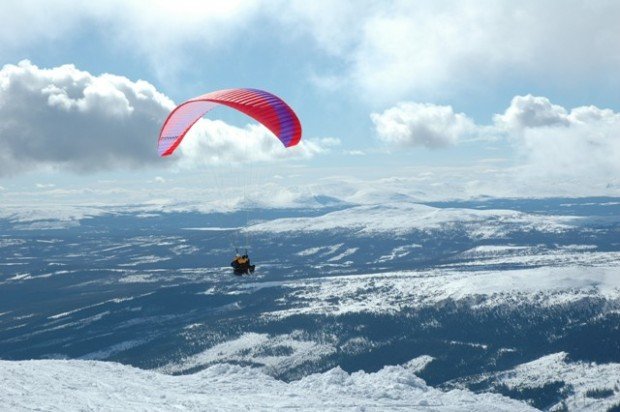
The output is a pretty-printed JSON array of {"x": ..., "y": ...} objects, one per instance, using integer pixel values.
[
  {"x": 392, "y": 292},
  {"x": 41, "y": 216},
  {"x": 72, "y": 385},
  {"x": 401, "y": 218},
  {"x": 384, "y": 214},
  {"x": 258, "y": 349},
  {"x": 580, "y": 376}
]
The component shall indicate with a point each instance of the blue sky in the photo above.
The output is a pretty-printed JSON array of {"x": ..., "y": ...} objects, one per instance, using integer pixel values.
[{"x": 383, "y": 89}]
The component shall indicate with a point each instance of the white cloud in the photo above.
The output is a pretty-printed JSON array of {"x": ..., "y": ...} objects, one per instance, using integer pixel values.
[
  {"x": 585, "y": 153},
  {"x": 216, "y": 142},
  {"x": 42, "y": 21},
  {"x": 417, "y": 124},
  {"x": 557, "y": 146},
  {"x": 558, "y": 150},
  {"x": 69, "y": 119},
  {"x": 532, "y": 111},
  {"x": 168, "y": 35},
  {"x": 592, "y": 114},
  {"x": 398, "y": 48},
  {"x": 161, "y": 32},
  {"x": 388, "y": 50}
]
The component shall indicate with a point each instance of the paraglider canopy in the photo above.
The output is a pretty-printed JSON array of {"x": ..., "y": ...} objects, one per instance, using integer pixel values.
[{"x": 266, "y": 108}]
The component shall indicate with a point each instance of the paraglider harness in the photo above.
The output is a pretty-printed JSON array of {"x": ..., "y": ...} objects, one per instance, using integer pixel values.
[{"x": 241, "y": 265}]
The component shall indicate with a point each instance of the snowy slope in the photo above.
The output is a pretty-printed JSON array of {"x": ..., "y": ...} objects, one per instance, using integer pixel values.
[
  {"x": 160, "y": 298},
  {"x": 580, "y": 381},
  {"x": 258, "y": 349},
  {"x": 90, "y": 385},
  {"x": 400, "y": 218},
  {"x": 394, "y": 291}
]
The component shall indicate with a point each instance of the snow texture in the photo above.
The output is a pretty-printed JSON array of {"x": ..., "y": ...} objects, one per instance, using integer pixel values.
[
  {"x": 580, "y": 377},
  {"x": 70, "y": 385},
  {"x": 396, "y": 291},
  {"x": 401, "y": 218}
]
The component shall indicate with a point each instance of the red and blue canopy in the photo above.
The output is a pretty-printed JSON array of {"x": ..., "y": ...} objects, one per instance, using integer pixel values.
[{"x": 269, "y": 110}]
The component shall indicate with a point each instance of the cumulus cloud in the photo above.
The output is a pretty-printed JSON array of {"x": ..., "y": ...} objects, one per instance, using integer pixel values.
[
  {"x": 581, "y": 145},
  {"x": 554, "y": 146},
  {"x": 215, "y": 142},
  {"x": 418, "y": 124},
  {"x": 583, "y": 152},
  {"x": 70, "y": 119},
  {"x": 532, "y": 111}
]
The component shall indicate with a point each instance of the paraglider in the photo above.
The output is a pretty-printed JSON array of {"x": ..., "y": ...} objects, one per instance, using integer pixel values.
[
  {"x": 241, "y": 265},
  {"x": 266, "y": 108}
]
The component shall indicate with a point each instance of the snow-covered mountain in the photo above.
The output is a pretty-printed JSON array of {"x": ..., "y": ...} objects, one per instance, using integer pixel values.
[
  {"x": 89, "y": 385},
  {"x": 581, "y": 386},
  {"x": 495, "y": 304}
]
